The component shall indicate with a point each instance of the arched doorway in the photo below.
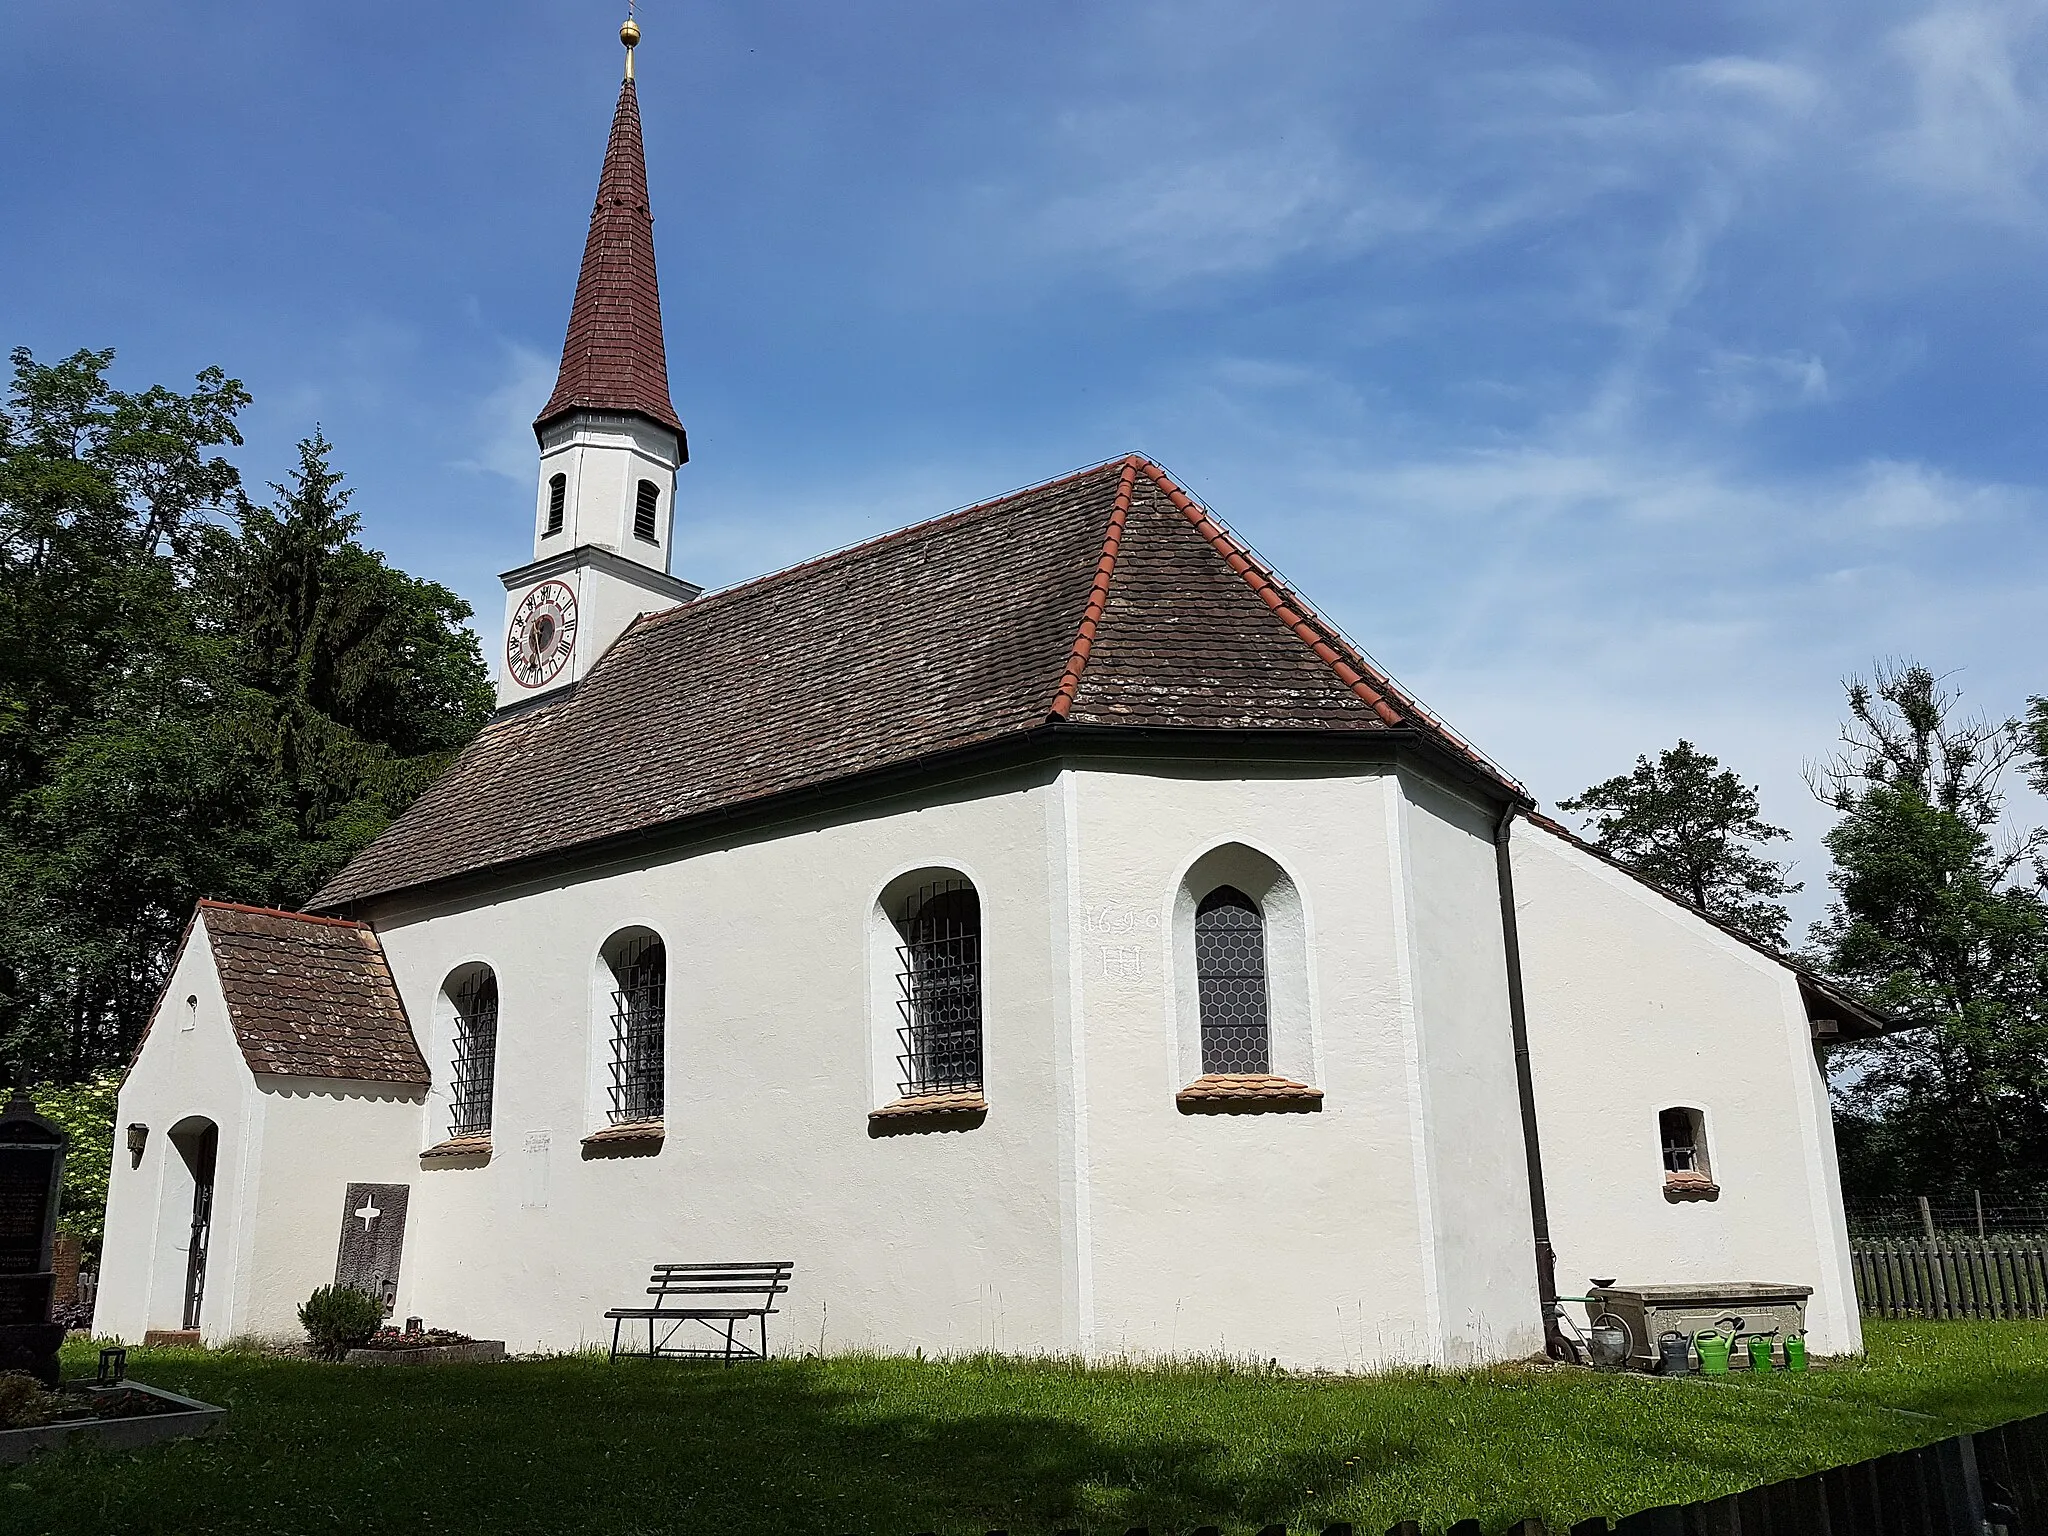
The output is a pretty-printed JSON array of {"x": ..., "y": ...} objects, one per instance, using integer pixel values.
[{"x": 197, "y": 1142}]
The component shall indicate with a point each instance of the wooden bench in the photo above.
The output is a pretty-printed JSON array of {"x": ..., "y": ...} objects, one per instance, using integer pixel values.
[{"x": 718, "y": 1296}]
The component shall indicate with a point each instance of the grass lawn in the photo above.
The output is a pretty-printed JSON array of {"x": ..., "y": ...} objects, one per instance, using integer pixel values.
[{"x": 893, "y": 1446}]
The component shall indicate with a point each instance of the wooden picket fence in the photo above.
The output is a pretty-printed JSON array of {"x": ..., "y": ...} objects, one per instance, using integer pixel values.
[
  {"x": 1952, "y": 1277},
  {"x": 1992, "y": 1483}
]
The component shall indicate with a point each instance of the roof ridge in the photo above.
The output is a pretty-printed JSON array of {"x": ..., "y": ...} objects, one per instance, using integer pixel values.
[
  {"x": 1098, "y": 592},
  {"x": 1391, "y": 702},
  {"x": 1275, "y": 595},
  {"x": 876, "y": 541},
  {"x": 297, "y": 917}
]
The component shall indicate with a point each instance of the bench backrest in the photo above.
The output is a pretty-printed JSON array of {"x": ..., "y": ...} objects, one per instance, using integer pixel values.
[{"x": 764, "y": 1279}]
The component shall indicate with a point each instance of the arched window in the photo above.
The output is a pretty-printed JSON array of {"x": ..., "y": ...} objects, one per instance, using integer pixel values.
[
  {"x": 558, "y": 494},
  {"x": 644, "y": 505},
  {"x": 475, "y": 996},
  {"x": 639, "y": 1016},
  {"x": 1230, "y": 968},
  {"x": 939, "y": 982}
]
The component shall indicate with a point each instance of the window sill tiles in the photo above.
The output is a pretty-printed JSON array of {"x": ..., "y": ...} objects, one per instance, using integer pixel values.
[
  {"x": 1681, "y": 1187},
  {"x": 633, "y": 1131},
  {"x": 458, "y": 1146},
  {"x": 929, "y": 1112},
  {"x": 1247, "y": 1093}
]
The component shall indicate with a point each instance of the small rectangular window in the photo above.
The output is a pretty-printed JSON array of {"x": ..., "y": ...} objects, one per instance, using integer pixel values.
[
  {"x": 643, "y": 511},
  {"x": 1679, "y": 1130},
  {"x": 558, "y": 493}
]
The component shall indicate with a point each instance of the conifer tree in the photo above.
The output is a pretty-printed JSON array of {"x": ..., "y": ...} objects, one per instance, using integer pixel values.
[{"x": 1694, "y": 828}]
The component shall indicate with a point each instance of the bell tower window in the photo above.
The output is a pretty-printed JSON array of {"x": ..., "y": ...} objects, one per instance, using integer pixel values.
[
  {"x": 558, "y": 493},
  {"x": 643, "y": 511}
]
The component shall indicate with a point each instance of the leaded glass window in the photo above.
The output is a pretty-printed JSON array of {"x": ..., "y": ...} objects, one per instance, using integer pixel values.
[
  {"x": 1230, "y": 965},
  {"x": 476, "y": 1054},
  {"x": 639, "y": 1020},
  {"x": 939, "y": 981}
]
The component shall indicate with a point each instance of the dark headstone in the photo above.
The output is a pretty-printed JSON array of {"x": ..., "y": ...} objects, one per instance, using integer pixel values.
[
  {"x": 372, "y": 1239},
  {"x": 31, "y": 1181}
]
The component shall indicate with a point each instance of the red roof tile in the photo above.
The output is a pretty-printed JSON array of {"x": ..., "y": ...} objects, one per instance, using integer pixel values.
[
  {"x": 613, "y": 358},
  {"x": 1104, "y": 599},
  {"x": 311, "y": 996}
]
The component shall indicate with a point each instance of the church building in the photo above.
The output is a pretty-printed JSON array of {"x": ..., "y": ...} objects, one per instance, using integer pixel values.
[{"x": 1039, "y": 925}]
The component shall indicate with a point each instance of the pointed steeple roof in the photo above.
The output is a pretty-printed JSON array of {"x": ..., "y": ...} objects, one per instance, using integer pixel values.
[{"x": 613, "y": 358}]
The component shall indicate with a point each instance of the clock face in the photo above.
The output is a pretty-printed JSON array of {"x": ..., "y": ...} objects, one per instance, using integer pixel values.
[{"x": 542, "y": 636}]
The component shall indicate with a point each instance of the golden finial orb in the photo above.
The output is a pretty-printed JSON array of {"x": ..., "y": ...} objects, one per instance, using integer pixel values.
[{"x": 629, "y": 34}]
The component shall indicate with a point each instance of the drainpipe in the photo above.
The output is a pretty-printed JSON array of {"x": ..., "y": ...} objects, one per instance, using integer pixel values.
[{"x": 1554, "y": 1344}]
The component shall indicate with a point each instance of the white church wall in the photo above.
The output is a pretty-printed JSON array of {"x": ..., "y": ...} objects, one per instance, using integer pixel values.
[
  {"x": 189, "y": 1071},
  {"x": 949, "y": 1240},
  {"x": 318, "y": 1136},
  {"x": 1634, "y": 1006},
  {"x": 1268, "y": 1235},
  {"x": 1479, "y": 1234}
]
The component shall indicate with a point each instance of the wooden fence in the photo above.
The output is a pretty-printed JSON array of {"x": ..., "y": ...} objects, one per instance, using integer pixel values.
[
  {"x": 1952, "y": 1277},
  {"x": 1993, "y": 1483}
]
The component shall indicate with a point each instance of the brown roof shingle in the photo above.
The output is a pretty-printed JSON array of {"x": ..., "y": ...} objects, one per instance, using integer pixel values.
[
  {"x": 1107, "y": 598},
  {"x": 613, "y": 358},
  {"x": 311, "y": 996}
]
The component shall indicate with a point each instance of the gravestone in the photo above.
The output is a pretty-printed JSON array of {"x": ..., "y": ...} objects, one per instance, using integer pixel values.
[
  {"x": 372, "y": 1239},
  {"x": 31, "y": 1179}
]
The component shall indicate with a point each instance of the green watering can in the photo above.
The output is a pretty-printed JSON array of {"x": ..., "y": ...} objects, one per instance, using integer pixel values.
[
  {"x": 1760, "y": 1352},
  {"x": 1713, "y": 1352},
  {"x": 1795, "y": 1352}
]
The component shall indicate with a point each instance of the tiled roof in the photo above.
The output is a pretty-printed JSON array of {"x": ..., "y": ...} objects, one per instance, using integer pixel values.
[
  {"x": 311, "y": 996},
  {"x": 1105, "y": 599},
  {"x": 613, "y": 358}
]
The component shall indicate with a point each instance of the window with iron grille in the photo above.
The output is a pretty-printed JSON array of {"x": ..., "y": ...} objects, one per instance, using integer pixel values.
[
  {"x": 1683, "y": 1133},
  {"x": 939, "y": 981},
  {"x": 1230, "y": 967},
  {"x": 644, "y": 505},
  {"x": 558, "y": 494},
  {"x": 639, "y": 1017},
  {"x": 476, "y": 1054}
]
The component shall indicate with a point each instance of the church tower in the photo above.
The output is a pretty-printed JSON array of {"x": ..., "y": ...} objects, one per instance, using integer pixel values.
[{"x": 610, "y": 445}]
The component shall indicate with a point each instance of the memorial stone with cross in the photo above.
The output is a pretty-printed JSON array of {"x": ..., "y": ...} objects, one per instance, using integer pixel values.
[
  {"x": 31, "y": 1181},
  {"x": 372, "y": 1239}
]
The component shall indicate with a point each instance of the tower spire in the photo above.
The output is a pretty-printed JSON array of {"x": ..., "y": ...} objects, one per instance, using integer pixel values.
[{"x": 613, "y": 358}]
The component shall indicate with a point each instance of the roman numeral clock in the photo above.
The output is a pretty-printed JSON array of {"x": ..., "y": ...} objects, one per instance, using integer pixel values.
[{"x": 541, "y": 638}]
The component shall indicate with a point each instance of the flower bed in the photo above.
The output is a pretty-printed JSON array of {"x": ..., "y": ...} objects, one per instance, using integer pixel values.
[{"x": 414, "y": 1345}]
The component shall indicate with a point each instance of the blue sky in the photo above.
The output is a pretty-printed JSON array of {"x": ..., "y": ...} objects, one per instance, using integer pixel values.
[{"x": 1610, "y": 372}]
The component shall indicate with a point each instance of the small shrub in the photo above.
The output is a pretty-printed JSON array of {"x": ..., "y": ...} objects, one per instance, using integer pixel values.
[
  {"x": 23, "y": 1402},
  {"x": 339, "y": 1318}
]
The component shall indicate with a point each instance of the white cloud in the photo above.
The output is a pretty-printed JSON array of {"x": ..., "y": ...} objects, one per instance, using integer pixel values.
[
  {"x": 501, "y": 423},
  {"x": 1975, "y": 134}
]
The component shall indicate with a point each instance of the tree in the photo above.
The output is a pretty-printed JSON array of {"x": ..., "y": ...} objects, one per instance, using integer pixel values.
[
  {"x": 1935, "y": 921},
  {"x": 372, "y": 680},
  {"x": 198, "y": 697},
  {"x": 126, "y": 783},
  {"x": 1696, "y": 831}
]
